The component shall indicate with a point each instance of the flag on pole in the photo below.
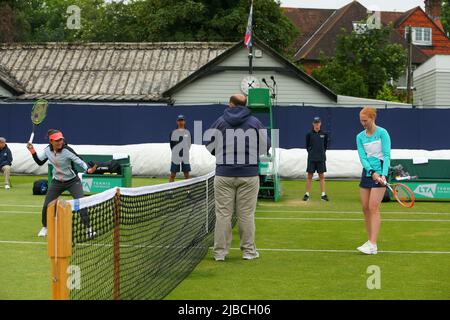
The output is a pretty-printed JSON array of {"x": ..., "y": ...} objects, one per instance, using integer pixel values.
[{"x": 248, "y": 32}]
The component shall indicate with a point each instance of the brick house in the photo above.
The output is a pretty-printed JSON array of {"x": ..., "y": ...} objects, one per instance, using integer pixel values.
[{"x": 320, "y": 27}]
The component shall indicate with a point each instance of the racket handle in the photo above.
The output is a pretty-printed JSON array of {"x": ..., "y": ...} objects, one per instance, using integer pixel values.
[
  {"x": 31, "y": 138},
  {"x": 389, "y": 187}
]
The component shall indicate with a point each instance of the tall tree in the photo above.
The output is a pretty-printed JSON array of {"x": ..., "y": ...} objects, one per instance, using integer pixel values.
[
  {"x": 154, "y": 21},
  {"x": 363, "y": 63},
  {"x": 213, "y": 20},
  {"x": 10, "y": 26}
]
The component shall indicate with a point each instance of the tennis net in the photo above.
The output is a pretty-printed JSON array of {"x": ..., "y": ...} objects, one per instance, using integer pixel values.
[{"x": 139, "y": 243}]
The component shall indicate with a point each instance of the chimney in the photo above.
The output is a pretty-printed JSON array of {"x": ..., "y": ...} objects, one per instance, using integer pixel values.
[{"x": 433, "y": 8}]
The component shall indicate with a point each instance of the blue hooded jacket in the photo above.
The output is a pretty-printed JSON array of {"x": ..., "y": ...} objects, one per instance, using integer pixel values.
[{"x": 244, "y": 160}]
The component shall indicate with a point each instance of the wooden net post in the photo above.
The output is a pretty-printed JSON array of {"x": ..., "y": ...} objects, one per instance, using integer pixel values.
[{"x": 59, "y": 239}]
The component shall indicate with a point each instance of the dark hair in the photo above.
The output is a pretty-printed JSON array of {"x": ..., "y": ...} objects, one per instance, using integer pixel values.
[{"x": 52, "y": 131}]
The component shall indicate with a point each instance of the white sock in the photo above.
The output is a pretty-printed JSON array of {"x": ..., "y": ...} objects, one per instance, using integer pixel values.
[
  {"x": 307, "y": 193},
  {"x": 374, "y": 244},
  {"x": 323, "y": 194}
]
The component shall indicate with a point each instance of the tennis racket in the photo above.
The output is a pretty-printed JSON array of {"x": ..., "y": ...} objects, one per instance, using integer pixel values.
[
  {"x": 402, "y": 194},
  {"x": 38, "y": 114}
]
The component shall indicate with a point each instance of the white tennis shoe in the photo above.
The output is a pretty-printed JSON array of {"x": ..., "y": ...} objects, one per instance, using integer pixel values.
[
  {"x": 90, "y": 233},
  {"x": 43, "y": 232},
  {"x": 368, "y": 248},
  {"x": 251, "y": 256}
]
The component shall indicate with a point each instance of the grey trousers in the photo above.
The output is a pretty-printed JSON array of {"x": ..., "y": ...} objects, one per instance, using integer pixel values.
[
  {"x": 7, "y": 172},
  {"x": 56, "y": 188},
  {"x": 235, "y": 194}
]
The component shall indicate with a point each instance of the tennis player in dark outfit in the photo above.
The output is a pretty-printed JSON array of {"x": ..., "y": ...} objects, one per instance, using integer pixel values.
[
  {"x": 316, "y": 145},
  {"x": 61, "y": 157}
]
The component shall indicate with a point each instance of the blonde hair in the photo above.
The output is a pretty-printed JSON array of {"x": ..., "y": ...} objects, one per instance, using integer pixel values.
[{"x": 369, "y": 112}]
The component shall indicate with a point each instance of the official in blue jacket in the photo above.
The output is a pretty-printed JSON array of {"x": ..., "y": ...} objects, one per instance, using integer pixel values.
[{"x": 237, "y": 140}]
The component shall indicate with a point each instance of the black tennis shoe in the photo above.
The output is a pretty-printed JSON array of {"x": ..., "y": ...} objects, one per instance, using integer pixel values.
[
  {"x": 325, "y": 198},
  {"x": 305, "y": 197}
]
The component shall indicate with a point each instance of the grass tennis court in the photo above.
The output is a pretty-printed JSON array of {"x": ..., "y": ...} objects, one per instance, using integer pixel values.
[{"x": 307, "y": 250}]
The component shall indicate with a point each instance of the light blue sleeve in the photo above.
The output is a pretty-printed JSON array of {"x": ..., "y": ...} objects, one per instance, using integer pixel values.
[
  {"x": 362, "y": 154},
  {"x": 77, "y": 160},
  {"x": 42, "y": 155},
  {"x": 386, "y": 149}
]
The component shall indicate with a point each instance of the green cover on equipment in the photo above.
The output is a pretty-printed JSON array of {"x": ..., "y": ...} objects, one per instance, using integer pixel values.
[
  {"x": 432, "y": 182},
  {"x": 435, "y": 169}
]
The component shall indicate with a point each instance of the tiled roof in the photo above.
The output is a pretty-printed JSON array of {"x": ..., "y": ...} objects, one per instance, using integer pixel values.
[
  {"x": 324, "y": 40},
  {"x": 307, "y": 21},
  {"x": 439, "y": 24},
  {"x": 405, "y": 16},
  {"x": 388, "y": 17},
  {"x": 288, "y": 65},
  {"x": 105, "y": 71},
  {"x": 9, "y": 81}
]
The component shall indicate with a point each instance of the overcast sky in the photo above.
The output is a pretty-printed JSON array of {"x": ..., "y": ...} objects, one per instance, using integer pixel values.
[{"x": 383, "y": 5}]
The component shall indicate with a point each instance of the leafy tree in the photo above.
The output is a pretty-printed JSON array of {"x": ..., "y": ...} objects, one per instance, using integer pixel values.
[
  {"x": 150, "y": 20},
  {"x": 41, "y": 21},
  {"x": 387, "y": 94},
  {"x": 10, "y": 26},
  {"x": 106, "y": 22},
  {"x": 213, "y": 20},
  {"x": 169, "y": 20},
  {"x": 363, "y": 63}
]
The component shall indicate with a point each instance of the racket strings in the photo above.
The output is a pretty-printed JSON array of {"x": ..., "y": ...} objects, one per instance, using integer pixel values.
[
  {"x": 39, "y": 112},
  {"x": 403, "y": 194}
]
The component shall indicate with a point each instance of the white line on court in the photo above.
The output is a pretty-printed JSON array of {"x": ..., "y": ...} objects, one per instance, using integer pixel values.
[
  {"x": 273, "y": 249},
  {"x": 27, "y": 212},
  {"x": 348, "y": 251},
  {"x": 22, "y": 242},
  {"x": 293, "y": 218},
  {"x": 351, "y": 212},
  {"x": 21, "y": 205},
  {"x": 268, "y": 211},
  {"x": 341, "y": 219}
]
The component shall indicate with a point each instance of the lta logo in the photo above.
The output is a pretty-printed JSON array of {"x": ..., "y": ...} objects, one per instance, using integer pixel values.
[
  {"x": 87, "y": 184},
  {"x": 426, "y": 190}
]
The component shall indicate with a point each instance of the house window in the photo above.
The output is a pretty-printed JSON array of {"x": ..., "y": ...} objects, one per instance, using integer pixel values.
[{"x": 422, "y": 36}]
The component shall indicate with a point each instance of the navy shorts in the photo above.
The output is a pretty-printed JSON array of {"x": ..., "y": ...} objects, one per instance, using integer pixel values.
[
  {"x": 184, "y": 167},
  {"x": 368, "y": 182},
  {"x": 318, "y": 166}
]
